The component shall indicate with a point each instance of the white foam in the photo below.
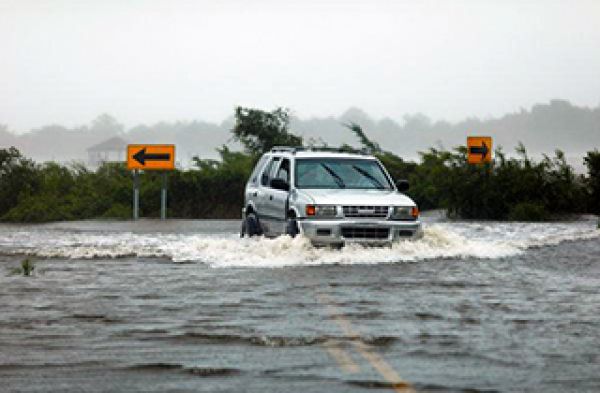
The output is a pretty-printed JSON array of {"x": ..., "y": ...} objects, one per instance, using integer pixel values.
[{"x": 442, "y": 240}]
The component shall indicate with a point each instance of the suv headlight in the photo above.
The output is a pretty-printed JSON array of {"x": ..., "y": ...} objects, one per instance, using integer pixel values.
[
  {"x": 405, "y": 213},
  {"x": 321, "y": 211}
]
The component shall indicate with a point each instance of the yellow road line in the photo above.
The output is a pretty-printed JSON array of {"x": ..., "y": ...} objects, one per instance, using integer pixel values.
[
  {"x": 342, "y": 357},
  {"x": 391, "y": 376},
  {"x": 366, "y": 351}
]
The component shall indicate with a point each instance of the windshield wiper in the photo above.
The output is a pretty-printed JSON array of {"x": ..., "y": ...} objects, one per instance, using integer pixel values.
[
  {"x": 366, "y": 174},
  {"x": 335, "y": 176}
]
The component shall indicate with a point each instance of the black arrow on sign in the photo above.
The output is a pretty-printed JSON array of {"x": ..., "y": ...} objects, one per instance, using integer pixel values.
[
  {"x": 141, "y": 157},
  {"x": 483, "y": 150}
]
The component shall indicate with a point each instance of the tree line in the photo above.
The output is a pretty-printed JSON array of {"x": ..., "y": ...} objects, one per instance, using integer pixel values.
[
  {"x": 515, "y": 188},
  {"x": 541, "y": 127}
]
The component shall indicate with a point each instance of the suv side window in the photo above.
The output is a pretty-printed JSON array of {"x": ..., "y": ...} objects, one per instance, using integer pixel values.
[
  {"x": 259, "y": 165},
  {"x": 283, "y": 172},
  {"x": 266, "y": 175}
]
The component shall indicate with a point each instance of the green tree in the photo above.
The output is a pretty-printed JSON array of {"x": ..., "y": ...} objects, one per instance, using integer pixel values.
[
  {"x": 19, "y": 178},
  {"x": 592, "y": 161},
  {"x": 106, "y": 125},
  {"x": 259, "y": 130},
  {"x": 370, "y": 146},
  {"x": 396, "y": 166}
]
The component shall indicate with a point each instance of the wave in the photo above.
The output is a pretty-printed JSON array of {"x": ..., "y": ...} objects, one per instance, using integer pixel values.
[
  {"x": 195, "y": 370},
  {"x": 441, "y": 241},
  {"x": 266, "y": 340}
]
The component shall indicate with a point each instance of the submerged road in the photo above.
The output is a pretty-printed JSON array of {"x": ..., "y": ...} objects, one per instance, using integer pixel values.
[{"x": 187, "y": 306}]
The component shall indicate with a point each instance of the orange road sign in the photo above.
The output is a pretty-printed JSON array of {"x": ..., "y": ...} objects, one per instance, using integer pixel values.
[
  {"x": 479, "y": 149},
  {"x": 151, "y": 157}
]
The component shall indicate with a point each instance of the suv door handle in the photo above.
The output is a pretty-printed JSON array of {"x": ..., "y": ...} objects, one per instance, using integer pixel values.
[
  {"x": 255, "y": 193},
  {"x": 270, "y": 197}
]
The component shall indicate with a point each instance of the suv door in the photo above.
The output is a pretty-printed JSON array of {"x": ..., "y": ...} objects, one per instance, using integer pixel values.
[
  {"x": 276, "y": 201},
  {"x": 263, "y": 193},
  {"x": 252, "y": 187}
]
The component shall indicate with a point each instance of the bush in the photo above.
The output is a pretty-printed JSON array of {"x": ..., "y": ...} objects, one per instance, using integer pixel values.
[
  {"x": 526, "y": 211},
  {"x": 119, "y": 210},
  {"x": 19, "y": 178},
  {"x": 40, "y": 208},
  {"x": 592, "y": 161},
  {"x": 507, "y": 188},
  {"x": 515, "y": 188}
]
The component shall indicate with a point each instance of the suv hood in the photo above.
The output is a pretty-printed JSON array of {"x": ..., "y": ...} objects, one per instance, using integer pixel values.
[{"x": 356, "y": 197}]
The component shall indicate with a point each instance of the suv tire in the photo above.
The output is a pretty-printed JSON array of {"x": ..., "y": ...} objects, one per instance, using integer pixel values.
[
  {"x": 291, "y": 228},
  {"x": 250, "y": 226}
]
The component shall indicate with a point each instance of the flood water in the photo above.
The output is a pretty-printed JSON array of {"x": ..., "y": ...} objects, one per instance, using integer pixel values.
[{"x": 188, "y": 306}]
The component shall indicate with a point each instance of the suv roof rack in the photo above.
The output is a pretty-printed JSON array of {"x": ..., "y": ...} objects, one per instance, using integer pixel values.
[
  {"x": 287, "y": 149},
  {"x": 294, "y": 149}
]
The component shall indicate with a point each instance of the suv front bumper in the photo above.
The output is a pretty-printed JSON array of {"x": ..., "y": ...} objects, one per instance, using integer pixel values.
[{"x": 364, "y": 231}]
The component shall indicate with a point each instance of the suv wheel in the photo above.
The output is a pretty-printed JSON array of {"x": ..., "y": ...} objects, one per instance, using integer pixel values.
[
  {"x": 292, "y": 227},
  {"x": 250, "y": 226}
]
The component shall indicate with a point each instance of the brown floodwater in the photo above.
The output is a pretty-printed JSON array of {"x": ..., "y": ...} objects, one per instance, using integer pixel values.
[{"x": 188, "y": 306}]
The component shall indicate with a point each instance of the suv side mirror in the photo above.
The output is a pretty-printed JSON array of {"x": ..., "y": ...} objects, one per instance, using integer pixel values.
[
  {"x": 280, "y": 184},
  {"x": 402, "y": 185}
]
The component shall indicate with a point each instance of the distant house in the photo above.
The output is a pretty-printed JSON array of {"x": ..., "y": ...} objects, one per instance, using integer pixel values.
[{"x": 111, "y": 150}]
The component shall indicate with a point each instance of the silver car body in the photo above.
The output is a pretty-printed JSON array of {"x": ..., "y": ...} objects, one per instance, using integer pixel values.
[{"x": 361, "y": 215}]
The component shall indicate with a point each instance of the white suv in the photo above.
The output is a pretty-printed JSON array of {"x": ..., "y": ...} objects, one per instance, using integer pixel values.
[{"x": 329, "y": 196}]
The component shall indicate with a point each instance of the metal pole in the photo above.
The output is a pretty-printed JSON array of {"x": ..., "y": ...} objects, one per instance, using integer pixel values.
[
  {"x": 136, "y": 195},
  {"x": 163, "y": 197}
]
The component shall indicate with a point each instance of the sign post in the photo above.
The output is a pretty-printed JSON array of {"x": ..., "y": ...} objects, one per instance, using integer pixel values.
[
  {"x": 136, "y": 195},
  {"x": 152, "y": 158},
  {"x": 163, "y": 197}
]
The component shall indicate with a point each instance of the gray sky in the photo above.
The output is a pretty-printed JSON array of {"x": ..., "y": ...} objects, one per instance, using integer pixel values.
[{"x": 143, "y": 61}]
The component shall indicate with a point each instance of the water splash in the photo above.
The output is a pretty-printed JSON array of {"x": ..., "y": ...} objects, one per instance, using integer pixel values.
[{"x": 441, "y": 240}]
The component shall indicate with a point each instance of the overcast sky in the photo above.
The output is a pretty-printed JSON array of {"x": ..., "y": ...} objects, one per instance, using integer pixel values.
[{"x": 143, "y": 61}]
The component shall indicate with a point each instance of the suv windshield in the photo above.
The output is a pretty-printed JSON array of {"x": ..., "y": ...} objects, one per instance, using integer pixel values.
[{"x": 340, "y": 173}]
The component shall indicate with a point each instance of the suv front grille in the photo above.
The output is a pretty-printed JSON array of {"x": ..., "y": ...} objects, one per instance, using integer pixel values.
[
  {"x": 366, "y": 211},
  {"x": 365, "y": 233}
]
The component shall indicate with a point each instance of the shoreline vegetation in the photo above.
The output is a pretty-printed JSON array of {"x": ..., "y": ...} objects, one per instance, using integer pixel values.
[{"x": 519, "y": 188}]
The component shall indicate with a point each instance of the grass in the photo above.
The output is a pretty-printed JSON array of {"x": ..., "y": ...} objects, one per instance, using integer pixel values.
[{"x": 26, "y": 269}]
